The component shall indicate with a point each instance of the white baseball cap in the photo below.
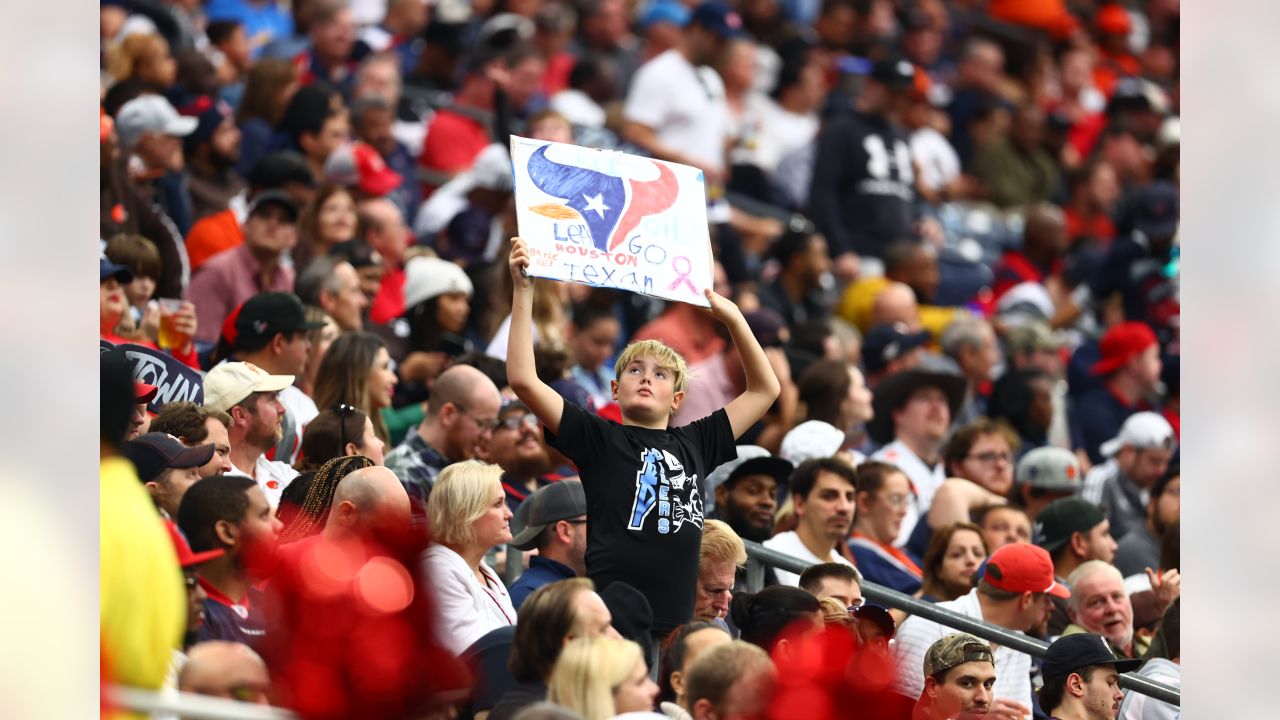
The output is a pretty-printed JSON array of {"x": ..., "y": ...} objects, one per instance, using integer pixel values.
[
  {"x": 151, "y": 113},
  {"x": 428, "y": 277},
  {"x": 810, "y": 440},
  {"x": 232, "y": 382},
  {"x": 1143, "y": 431}
]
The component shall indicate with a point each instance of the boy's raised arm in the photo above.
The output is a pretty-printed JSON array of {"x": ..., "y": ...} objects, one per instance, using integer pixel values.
[
  {"x": 521, "y": 373},
  {"x": 762, "y": 384}
]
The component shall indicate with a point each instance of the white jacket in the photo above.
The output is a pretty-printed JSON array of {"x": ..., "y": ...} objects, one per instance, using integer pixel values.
[{"x": 465, "y": 609}]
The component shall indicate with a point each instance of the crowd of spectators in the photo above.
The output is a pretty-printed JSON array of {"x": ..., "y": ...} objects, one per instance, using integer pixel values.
[{"x": 356, "y": 463}]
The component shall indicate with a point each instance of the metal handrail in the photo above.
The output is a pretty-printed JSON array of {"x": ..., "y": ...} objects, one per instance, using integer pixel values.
[{"x": 759, "y": 556}]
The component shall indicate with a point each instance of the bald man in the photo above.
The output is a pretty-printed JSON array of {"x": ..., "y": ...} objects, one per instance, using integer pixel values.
[
  {"x": 896, "y": 303},
  {"x": 367, "y": 501},
  {"x": 461, "y": 414},
  {"x": 227, "y": 670}
]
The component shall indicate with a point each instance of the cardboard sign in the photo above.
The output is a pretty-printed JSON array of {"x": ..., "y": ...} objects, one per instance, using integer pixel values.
[
  {"x": 609, "y": 219},
  {"x": 176, "y": 380}
]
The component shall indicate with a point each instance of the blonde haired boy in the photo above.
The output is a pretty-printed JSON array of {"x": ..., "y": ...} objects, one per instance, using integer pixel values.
[{"x": 641, "y": 478}]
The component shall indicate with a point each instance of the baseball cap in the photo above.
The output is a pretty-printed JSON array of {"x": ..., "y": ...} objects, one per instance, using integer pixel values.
[
  {"x": 665, "y": 11},
  {"x": 108, "y": 269},
  {"x": 280, "y": 169},
  {"x": 188, "y": 558},
  {"x": 1061, "y": 518},
  {"x": 956, "y": 649},
  {"x": 751, "y": 460},
  {"x": 768, "y": 327},
  {"x": 1078, "y": 651},
  {"x": 274, "y": 197},
  {"x": 150, "y": 113},
  {"x": 1025, "y": 302},
  {"x": 209, "y": 113},
  {"x": 428, "y": 277},
  {"x": 1113, "y": 19},
  {"x": 1156, "y": 210},
  {"x": 266, "y": 314},
  {"x": 548, "y": 504},
  {"x": 1029, "y": 337},
  {"x": 717, "y": 18},
  {"x": 143, "y": 393},
  {"x": 895, "y": 73},
  {"x": 1020, "y": 568},
  {"x": 1143, "y": 431},
  {"x": 358, "y": 165},
  {"x": 810, "y": 440},
  {"x": 887, "y": 342},
  {"x": 232, "y": 382},
  {"x": 1120, "y": 343},
  {"x": 1049, "y": 468},
  {"x": 156, "y": 452}
]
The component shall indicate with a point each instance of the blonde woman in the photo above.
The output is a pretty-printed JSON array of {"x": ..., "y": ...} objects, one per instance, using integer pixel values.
[
  {"x": 600, "y": 677},
  {"x": 467, "y": 515}
]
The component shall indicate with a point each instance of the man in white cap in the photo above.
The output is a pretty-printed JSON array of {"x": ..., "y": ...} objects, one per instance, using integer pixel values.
[
  {"x": 250, "y": 395},
  {"x": 151, "y": 133},
  {"x": 1136, "y": 458}
]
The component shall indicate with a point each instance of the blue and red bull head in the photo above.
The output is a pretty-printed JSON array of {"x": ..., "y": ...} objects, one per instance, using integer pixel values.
[{"x": 612, "y": 207}]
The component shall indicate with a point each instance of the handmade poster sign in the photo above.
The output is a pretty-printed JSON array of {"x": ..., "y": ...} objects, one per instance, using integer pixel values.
[
  {"x": 174, "y": 379},
  {"x": 613, "y": 220}
]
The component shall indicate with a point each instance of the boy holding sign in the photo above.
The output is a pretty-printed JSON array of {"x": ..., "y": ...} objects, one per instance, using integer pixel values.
[{"x": 644, "y": 505}]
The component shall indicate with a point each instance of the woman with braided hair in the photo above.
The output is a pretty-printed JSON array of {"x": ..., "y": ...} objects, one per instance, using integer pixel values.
[{"x": 306, "y": 515}]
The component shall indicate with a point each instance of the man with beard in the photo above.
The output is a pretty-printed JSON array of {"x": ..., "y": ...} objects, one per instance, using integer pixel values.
[
  {"x": 212, "y": 152},
  {"x": 554, "y": 521},
  {"x": 1082, "y": 679},
  {"x": 516, "y": 446},
  {"x": 250, "y": 396},
  {"x": 1099, "y": 604},
  {"x": 823, "y": 493},
  {"x": 747, "y": 492},
  {"x": 231, "y": 513}
]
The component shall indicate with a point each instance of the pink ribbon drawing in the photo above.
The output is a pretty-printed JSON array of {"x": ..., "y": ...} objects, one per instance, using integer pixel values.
[{"x": 683, "y": 276}]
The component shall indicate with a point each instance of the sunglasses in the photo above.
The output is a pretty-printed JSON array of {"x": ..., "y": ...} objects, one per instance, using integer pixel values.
[{"x": 344, "y": 411}]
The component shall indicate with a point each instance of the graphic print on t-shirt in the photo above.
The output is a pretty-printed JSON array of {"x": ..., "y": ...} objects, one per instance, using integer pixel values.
[{"x": 662, "y": 484}]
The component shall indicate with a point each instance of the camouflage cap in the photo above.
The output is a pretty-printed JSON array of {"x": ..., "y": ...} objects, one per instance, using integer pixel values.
[{"x": 956, "y": 649}]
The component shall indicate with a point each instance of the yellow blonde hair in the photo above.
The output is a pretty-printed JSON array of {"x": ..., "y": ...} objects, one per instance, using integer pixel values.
[
  {"x": 721, "y": 544},
  {"x": 667, "y": 358},
  {"x": 461, "y": 495},
  {"x": 588, "y": 672}
]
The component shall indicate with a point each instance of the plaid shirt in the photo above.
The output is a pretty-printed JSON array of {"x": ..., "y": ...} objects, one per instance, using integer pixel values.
[{"x": 417, "y": 464}]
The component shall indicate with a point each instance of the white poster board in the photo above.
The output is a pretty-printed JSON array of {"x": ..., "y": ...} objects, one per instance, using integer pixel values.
[{"x": 609, "y": 219}]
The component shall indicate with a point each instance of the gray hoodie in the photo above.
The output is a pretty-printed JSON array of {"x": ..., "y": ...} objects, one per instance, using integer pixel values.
[{"x": 1136, "y": 706}]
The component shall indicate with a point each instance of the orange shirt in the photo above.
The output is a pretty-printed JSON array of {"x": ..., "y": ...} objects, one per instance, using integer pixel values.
[{"x": 212, "y": 235}]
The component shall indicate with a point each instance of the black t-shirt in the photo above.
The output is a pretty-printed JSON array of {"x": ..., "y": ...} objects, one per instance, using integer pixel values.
[
  {"x": 863, "y": 185},
  {"x": 644, "y": 510}
]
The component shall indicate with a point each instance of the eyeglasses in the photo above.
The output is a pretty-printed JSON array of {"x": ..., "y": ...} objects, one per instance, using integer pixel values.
[
  {"x": 191, "y": 580},
  {"x": 515, "y": 421},
  {"x": 992, "y": 456},
  {"x": 344, "y": 411},
  {"x": 895, "y": 500},
  {"x": 485, "y": 425}
]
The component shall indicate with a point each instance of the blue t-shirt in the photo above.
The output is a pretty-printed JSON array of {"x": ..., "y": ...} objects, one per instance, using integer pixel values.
[
  {"x": 263, "y": 21},
  {"x": 1095, "y": 418},
  {"x": 225, "y": 619}
]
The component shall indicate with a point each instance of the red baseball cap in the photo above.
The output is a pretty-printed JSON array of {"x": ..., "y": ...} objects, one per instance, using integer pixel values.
[
  {"x": 358, "y": 165},
  {"x": 1022, "y": 567},
  {"x": 1121, "y": 343},
  {"x": 1113, "y": 19},
  {"x": 188, "y": 558},
  {"x": 143, "y": 393}
]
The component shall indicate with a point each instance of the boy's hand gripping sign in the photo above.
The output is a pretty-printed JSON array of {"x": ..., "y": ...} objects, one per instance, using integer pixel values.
[{"x": 613, "y": 220}]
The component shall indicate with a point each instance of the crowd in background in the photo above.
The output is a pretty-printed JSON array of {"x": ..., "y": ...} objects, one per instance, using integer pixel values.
[{"x": 951, "y": 225}]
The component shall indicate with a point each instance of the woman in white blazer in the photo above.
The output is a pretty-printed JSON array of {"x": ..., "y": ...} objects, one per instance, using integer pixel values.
[{"x": 468, "y": 515}]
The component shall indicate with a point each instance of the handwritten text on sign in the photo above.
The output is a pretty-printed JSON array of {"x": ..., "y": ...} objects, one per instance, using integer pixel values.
[{"x": 613, "y": 220}]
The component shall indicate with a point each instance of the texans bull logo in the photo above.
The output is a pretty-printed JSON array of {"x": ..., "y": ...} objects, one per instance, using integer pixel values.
[{"x": 611, "y": 206}]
